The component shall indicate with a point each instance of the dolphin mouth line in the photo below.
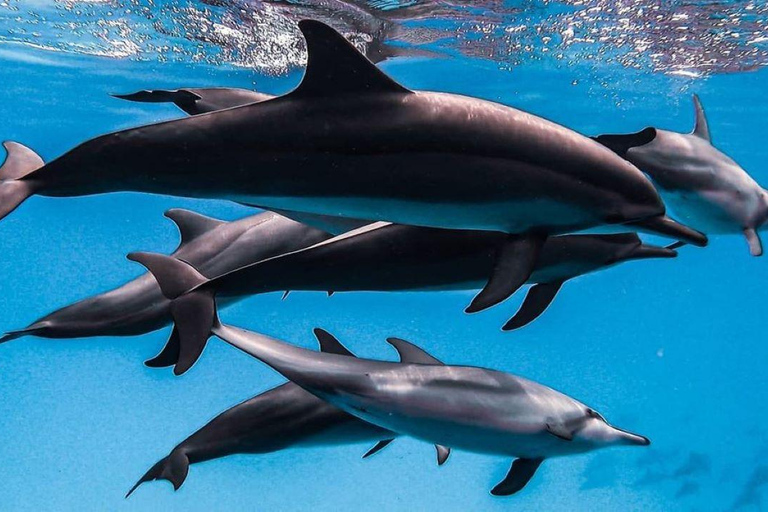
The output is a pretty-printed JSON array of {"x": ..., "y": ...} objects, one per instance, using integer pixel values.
[{"x": 631, "y": 436}]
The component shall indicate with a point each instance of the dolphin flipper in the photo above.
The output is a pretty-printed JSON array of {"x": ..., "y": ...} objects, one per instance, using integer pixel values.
[
  {"x": 519, "y": 475},
  {"x": 538, "y": 299},
  {"x": 20, "y": 162},
  {"x": 190, "y": 224},
  {"x": 329, "y": 343},
  {"x": 443, "y": 452},
  {"x": 620, "y": 144},
  {"x": 753, "y": 239},
  {"x": 169, "y": 356},
  {"x": 410, "y": 353},
  {"x": 377, "y": 447},
  {"x": 514, "y": 265}
]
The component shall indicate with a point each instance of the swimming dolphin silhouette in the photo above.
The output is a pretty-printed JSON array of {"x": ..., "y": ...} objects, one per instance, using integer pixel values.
[
  {"x": 351, "y": 142},
  {"x": 701, "y": 184},
  {"x": 202, "y": 100},
  {"x": 387, "y": 257},
  {"x": 213, "y": 246},
  {"x": 281, "y": 418},
  {"x": 470, "y": 408}
]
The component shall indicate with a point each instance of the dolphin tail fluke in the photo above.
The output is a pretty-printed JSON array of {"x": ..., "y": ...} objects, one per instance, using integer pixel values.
[
  {"x": 13, "y": 335},
  {"x": 173, "y": 468},
  {"x": 664, "y": 226},
  {"x": 620, "y": 144},
  {"x": 193, "y": 307},
  {"x": 20, "y": 162}
]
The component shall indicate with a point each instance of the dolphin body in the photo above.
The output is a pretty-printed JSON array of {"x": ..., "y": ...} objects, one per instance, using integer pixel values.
[
  {"x": 388, "y": 257},
  {"x": 701, "y": 184},
  {"x": 280, "y": 418},
  {"x": 351, "y": 142},
  {"x": 213, "y": 246},
  {"x": 463, "y": 407}
]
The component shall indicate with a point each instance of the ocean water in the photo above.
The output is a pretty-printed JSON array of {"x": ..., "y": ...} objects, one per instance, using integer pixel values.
[{"x": 672, "y": 349}]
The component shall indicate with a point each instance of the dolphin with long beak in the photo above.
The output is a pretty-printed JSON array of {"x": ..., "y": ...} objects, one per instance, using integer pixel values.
[
  {"x": 351, "y": 142},
  {"x": 283, "y": 417},
  {"x": 388, "y": 257},
  {"x": 461, "y": 407},
  {"x": 700, "y": 183}
]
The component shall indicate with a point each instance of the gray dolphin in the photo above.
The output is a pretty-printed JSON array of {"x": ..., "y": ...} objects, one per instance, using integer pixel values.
[
  {"x": 462, "y": 407},
  {"x": 701, "y": 184},
  {"x": 351, "y": 142},
  {"x": 389, "y": 257},
  {"x": 213, "y": 246},
  {"x": 280, "y": 418}
]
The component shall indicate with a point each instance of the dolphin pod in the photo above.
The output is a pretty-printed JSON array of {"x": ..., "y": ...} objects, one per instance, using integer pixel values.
[
  {"x": 387, "y": 257},
  {"x": 703, "y": 185},
  {"x": 430, "y": 159},
  {"x": 281, "y": 418}
]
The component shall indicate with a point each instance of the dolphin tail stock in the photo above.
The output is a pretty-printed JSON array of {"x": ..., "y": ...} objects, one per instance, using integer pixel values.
[
  {"x": 193, "y": 308},
  {"x": 665, "y": 226},
  {"x": 20, "y": 162},
  {"x": 173, "y": 468},
  {"x": 182, "y": 98},
  {"x": 32, "y": 330}
]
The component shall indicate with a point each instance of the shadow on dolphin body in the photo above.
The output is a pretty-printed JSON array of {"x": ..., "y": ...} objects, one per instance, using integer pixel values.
[
  {"x": 382, "y": 257},
  {"x": 283, "y": 417},
  {"x": 431, "y": 159},
  {"x": 701, "y": 184}
]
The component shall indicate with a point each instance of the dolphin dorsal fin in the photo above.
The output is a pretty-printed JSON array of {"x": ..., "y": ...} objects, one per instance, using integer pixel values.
[
  {"x": 335, "y": 66},
  {"x": 410, "y": 353},
  {"x": 191, "y": 225},
  {"x": 329, "y": 343},
  {"x": 701, "y": 128}
]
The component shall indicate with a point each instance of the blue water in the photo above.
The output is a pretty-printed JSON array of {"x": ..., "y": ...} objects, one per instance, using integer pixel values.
[{"x": 673, "y": 349}]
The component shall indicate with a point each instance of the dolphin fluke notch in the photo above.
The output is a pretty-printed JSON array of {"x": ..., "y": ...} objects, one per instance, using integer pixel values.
[
  {"x": 620, "y": 144},
  {"x": 173, "y": 468},
  {"x": 519, "y": 475},
  {"x": 20, "y": 162}
]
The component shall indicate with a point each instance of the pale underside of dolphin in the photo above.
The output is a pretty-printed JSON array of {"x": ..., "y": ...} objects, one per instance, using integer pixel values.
[
  {"x": 384, "y": 257},
  {"x": 351, "y": 142},
  {"x": 283, "y": 417},
  {"x": 469, "y": 408},
  {"x": 701, "y": 184}
]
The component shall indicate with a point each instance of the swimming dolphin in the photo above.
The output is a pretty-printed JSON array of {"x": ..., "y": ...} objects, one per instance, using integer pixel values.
[
  {"x": 213, "y": 246},
  {"x": 462, "y": 407},
  {"x": 701, "y": 184},
  {"x": 351, "y": 142},
  {"x": 388, "y": 257},
  {"x": 280, "y": 418},
  {"x": 195, "y": 101}
]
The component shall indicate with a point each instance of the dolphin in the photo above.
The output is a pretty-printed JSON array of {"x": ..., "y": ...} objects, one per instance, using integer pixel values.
[
  {"x": 213, "y": 246},
  {"x": 195, "y": 101},
  {"x": 389, "y": 257},
  {"x": 351, "y": 142},
  {"x": 461, "y": 407},
  {"x": 281, "y": 418},
  {"x": 701, "y": 184}
]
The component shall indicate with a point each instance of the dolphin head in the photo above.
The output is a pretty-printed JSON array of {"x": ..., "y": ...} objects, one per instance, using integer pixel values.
[{"x": 596, "y": 432}]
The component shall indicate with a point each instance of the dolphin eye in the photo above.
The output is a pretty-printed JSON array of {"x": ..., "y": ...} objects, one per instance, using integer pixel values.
[{"x": 594, "y": 414}]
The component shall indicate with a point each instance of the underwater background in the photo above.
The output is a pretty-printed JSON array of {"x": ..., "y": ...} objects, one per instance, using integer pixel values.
[{"x": 674, "y": 349}]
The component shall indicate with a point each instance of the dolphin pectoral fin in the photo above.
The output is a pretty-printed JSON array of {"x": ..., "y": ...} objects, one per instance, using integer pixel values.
[
  {"x": 519, "y": 475},
  {"x": 377, "y": 447},
  {"x": 701, "y": 128},
  {"x": 676, "y": 245},
  {"x": 515, "y": 262},
  {"x": 538, "y": 299},
  {"x": 753, "y": 239},
  {"x": 559, "y": 431},
  {"x": 410, "y": 353},
  {"x": 329, "y": 343},
  {"x": 170, "y": 353},
  {"x": 620, "y": 144},
  {"x": 285, "y": 294},
  {"x": 443, "y": 453},
  {"x": 330, "y": 293},
  {"x": 335, "y": 66},
  {"x": 190, "y": 224}
]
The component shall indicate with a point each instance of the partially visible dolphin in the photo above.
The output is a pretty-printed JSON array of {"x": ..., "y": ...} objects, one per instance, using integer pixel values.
[
  {"x": 701, "y": 184},
  {"x": 351, "y": 142},
  {"x": 213, "y": 246},
  {"x": 280, "y": 418},
  {"x": 392, "y": 257},
  {"x": 461, "y": 407},
  {"x": 195, "y": 101}
]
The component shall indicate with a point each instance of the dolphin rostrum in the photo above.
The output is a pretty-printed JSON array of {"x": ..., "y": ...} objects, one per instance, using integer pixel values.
[
  {"x": 351, "y": 142},
  {"x": 701, "y": 184},
  {"x": 280, "y": 418},
  {"x": 389, "y": 257},
  {"x": 215, "y": 247},
  {"x": 470, "y": 408}
]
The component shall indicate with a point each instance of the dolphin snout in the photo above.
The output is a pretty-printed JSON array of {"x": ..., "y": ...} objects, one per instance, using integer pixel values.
[{"x": 631, "y": 439}]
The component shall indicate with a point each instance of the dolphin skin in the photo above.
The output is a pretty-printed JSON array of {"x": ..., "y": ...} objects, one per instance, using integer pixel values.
[
  {"x": 138, "y": 307},
  {"x": 390, "y": 257},
  {"x": 469, "y": 408},
  {"x": 280, "y": 418},
  {"x": 351, "y": 142},
  {"x": 701, "y": 184}
]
